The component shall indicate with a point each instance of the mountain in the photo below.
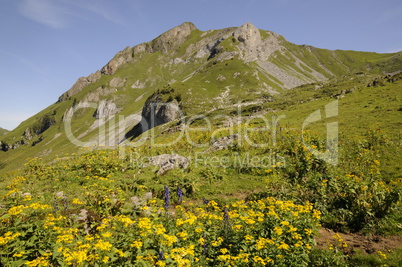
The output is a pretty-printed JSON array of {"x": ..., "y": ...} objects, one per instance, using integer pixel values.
[
  {"x": 205, "y": 148},
  {"x": 185, "y": 72},
  {"x": 3, "y": 131}
]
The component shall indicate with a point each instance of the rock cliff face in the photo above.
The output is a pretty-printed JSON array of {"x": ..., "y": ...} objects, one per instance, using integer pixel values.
[
  {"x": 119, "y": 59},
  {"x": 249, "y": 41},
  {"x": 251, "y": 45}
]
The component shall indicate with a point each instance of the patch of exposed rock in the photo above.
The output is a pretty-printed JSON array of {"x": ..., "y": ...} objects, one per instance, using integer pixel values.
[
  {"x": 164, "y": 43},
  {"x": 211, "y": 48},
  {"x": 222, "y": 143},
  {"x": 96, "y": 95},
  {"x": 155, "y": 112},
  {"x": 172, "y": 38},
  {"x": 117, "y": 82},
  {"x": 138, "y": 84},
  {"x": 177, "y": 61},
  {"x": 27, "y": 134},
  {"x": 118, "y": 60},
  {"x": 80, "y": 84},
  {"x": 105, "y": 110},
  {"x": 167, "y": 162},
  {"x": 288, "y": 80},
  {"x": 252, "y": 46},
  {"x": 207, "y": 46}
]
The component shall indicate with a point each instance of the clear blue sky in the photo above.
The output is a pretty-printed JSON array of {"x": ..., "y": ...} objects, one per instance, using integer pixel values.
[{"x": 46, "y": 45}]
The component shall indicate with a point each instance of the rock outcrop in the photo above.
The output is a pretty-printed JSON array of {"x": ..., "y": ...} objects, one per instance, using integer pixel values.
[
  {"x": 155, "y": 112},
  {"x": 223, "y": 143},
  {"x": 207, "y": 45},
  {"x": 172, "y": 38},
  {"x": 80, "y": 84},
  {"x": 164, "y": 43},
  {"x": 4, "y": 146},
  {"x": 117, "y": 82},
  {"x": 118, "y": 60},
  {"x": 252, "y": 45},
  {"x": 211, "y": 49},
  {"x": 105, "y": 110},
  {"x": 43, "y": 124},
  {"x": 167, "y": 162},
  {"x": 27, "y": 134}
]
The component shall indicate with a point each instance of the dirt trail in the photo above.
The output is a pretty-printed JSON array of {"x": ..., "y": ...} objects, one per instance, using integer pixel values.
[{"x": 367, "y": 244}]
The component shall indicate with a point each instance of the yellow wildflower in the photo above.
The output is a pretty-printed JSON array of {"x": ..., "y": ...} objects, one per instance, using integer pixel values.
[
  {"x": 218, "y": 242},
  {"x": 77, "y": 201},
  {"x": 183, "y": 235},
  {"x": 381, "y": 254},
  {"x": 259, "y": 260},
  {"x": 283, "y": 245},
  {"x": 19, "y": 254},
  {"x": 107, "y": 234},
  {"x": 103, "y": 245},
  {"x": 278, "y": 230},
  {"x": 41, "y": 261},
  {"x": 308, "y": 231},
  {"x": 224, "y": 250},
  {"x": 16, "y": 210}
]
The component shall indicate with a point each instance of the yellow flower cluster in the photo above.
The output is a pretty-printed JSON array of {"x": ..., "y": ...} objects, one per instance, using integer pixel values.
[
  {"x": 382, "y": 255},
  {"x": 262, "y": 243},
  {"x": 51, "y": 220},
  {"x": 40, "y": 261},
  {"x": 193, "y": 236},
  {"x": 65, "y": 235},
  {"x": 15, "y": 210},
  {"x": 20, "y": 208},
  {"x": 8, "y": 236},
  {"x": 13, "y": 188}
]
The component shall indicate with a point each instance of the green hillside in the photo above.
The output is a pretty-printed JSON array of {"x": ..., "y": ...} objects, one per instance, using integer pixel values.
[
  {"x": 204, "y": 70},
  {"x": 3, "y": 131},
  {"x": 261, "y": 146}
]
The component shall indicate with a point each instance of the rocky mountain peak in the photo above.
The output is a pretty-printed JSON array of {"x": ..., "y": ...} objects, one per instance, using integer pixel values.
[
  {"x": 247, "y": 34},
  {"x": 173, "y": 37},
  {"x": 252, "y": 44},
  {"x": 164, "y": 43}
]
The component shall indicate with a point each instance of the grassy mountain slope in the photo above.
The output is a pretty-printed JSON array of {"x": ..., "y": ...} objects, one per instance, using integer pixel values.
[
  {"x": 261, "y": 198},
  {"x": 3, "y": 131},
  {"x": 281, "y": 139},
  {"x": 205, "y": 70}
]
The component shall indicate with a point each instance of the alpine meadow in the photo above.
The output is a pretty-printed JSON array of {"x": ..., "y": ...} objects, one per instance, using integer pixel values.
[{"x": 229, "y": 147}]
